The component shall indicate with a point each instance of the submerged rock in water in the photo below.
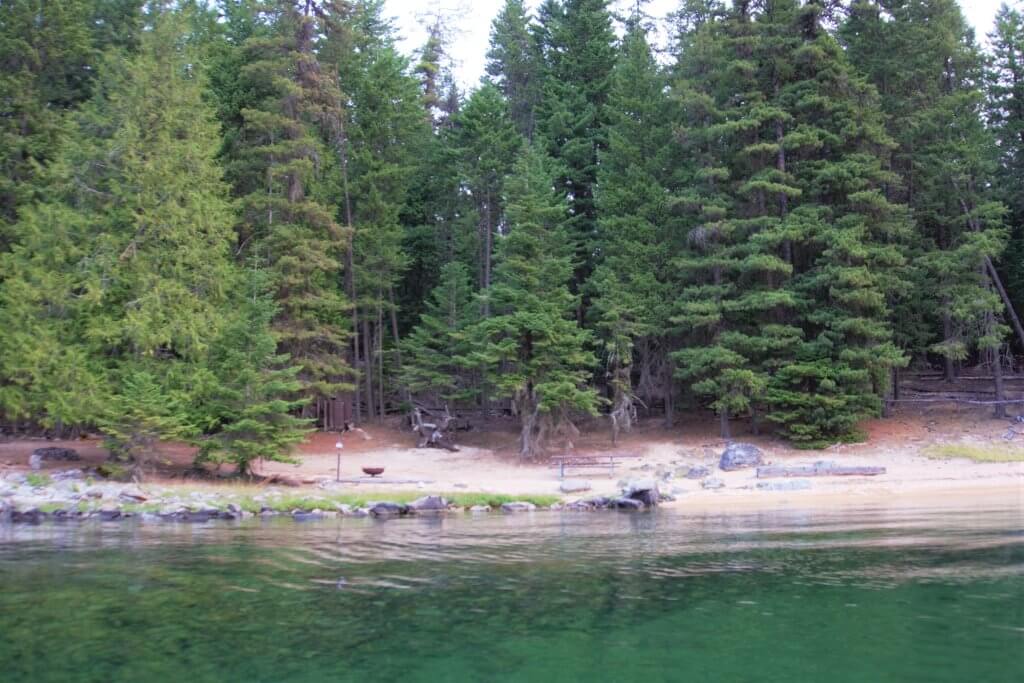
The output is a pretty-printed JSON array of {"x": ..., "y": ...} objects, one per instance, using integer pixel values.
[
  {"x": 387, "y": 509},
  {"x": 518, "y": 506},
  {"x": 574, "y": 486},
  {"x": 429, "y": 504},
  {"x": 738, "y": 456},
  {"x": 713, "y": 483}
]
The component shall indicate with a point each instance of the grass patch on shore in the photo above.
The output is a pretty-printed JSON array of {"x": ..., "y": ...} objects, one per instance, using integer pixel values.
[
  {"x": 329, "y": 501},
  {"x": 36, "y": 480},
  {"x": 974, "y": 453}
]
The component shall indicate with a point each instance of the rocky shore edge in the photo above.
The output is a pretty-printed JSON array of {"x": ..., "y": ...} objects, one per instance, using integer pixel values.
[{"x": 72, "y": 495}]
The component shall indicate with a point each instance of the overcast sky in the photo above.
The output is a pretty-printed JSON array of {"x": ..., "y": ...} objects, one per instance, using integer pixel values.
[{"x": 472, "y": 25}]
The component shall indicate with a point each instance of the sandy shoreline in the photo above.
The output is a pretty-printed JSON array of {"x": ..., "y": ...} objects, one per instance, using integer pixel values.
[{"x": 487, "y": 464}]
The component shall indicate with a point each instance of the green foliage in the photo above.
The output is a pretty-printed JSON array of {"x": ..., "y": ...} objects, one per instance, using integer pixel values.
[
  {"x": 139, "y": 415},
  {"x": 436, "y": 349},
  {"x": 531, "y": 349},
  {"x": 37, "y": 480},
  {"x": 251, "y": 401}
]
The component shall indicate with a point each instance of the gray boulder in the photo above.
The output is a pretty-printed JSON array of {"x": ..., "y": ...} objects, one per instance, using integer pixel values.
[
  {"x": 67, "y": 475},
  {"x": 387, "y": 509},
  {"x": 6, "y": 511},
  {"x": 738, "y": 456},
  {"x": 627, "y": 504},
  {"x": 35, "y": 461},
  {"x": 698, "y": 472},
  {"x": 518, "y": 506},
  {"x": 480, "y": 508},
  {"x": 55, "y": 453},
  {"x": 429, "y": 504},
  {"x": 644, "y": 491},
  {"x": 574, "y": 486},
  {"x": 713, "y": 483}
]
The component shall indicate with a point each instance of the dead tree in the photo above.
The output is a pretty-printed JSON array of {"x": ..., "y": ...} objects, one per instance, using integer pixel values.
[{"x": 433, "y": 434}]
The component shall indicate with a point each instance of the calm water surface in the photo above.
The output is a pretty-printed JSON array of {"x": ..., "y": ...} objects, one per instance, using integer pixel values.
[{"x": 866, "y": 595}]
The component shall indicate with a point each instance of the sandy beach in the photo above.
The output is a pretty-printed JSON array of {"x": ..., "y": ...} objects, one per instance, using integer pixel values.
[{"x": 487, "y": 463}]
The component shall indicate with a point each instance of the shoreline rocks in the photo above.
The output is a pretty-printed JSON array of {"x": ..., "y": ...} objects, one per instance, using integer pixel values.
[{"x": 738, "y": 456}]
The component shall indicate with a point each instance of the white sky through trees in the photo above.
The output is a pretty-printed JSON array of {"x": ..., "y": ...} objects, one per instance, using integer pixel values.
[{"x": 471, "y": 25}]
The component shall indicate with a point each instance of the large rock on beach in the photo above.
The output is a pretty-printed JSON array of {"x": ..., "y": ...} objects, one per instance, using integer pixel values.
[
  {"x": 627, "y": 504},
  {"x": 644, "y": 491},
  {"x": 54, "y": 453},
  {"x": 738, "y": 456},
  {"x": 713, "y": 483}
]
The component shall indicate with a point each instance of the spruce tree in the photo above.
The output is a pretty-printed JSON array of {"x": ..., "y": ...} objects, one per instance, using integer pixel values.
[
  {"x": 1005, "y": 89},
  {"x": 513, "y": 62},
  {"x": 124, "y": 270},
  {"x": 924, "y": 61},
  {"x": 47, "y": 59},
  {"x": 795, "y": 245},
  {"x": 631, "y": 287},
  {"x": 252, "y": 401},
  {"x": 435, "y": 351},
  {"x": 579, "y": 52},
  {"x": 280, "y": 169},
  {"x": 531, "y": 349},
  {"x": 487, "y": 145}
]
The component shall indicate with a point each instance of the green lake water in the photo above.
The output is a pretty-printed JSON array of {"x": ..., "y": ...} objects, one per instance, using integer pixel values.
[{"x": 863, "y": 595}]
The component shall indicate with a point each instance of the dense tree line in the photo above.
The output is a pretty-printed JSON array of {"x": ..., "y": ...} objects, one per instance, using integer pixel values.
[{"x": 232, "y": 222}]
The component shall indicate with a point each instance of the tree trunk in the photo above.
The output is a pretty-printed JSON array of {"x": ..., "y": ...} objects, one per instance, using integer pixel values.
[
  {"x": 723, "y": 417},
  {"x": 1011, "y": 312},
  {"x": 368, "y": 370},
  {"x": 670, "y": 406},
  {"x": 949, "y": 371},
  {"x": 380, "y": 358},
  {"x": 997, "y": 373}
]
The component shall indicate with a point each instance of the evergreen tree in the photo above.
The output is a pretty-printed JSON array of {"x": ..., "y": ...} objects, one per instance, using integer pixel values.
[
  {"x": 124, "y": 270},
  {"x": 251, "y": 405},
  {"x": 487, "y": 144},
  {"x": 46, "y": 65},
  {"x": 795, "y": 245},
  {"x": 513, "y": 62},
  {"x": 945, "y": 158},
  {"x": 1005, "y": 81},
  {"x": 437, "y": 348},
  {"x": 531, "y": 350},
  {"x": 579, "y": 53},
  {"x": 281, "y": 169},
  {"x": 631, "y": 286}
]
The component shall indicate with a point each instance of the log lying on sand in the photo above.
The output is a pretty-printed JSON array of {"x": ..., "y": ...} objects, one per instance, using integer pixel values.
[{"x": 819, "y": 469}]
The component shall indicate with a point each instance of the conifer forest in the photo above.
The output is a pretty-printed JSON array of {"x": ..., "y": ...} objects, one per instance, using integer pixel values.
[{"x": 230, "y": 222}]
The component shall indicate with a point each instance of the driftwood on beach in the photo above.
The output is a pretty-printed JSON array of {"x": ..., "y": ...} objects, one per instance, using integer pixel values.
[{"x": 819, "y": 470}]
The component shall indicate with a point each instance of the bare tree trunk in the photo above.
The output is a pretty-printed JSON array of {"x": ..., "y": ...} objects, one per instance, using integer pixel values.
[
  {"x": 949, "y": 371},
  {"x": 380, "y": 357},
  {"x": 488, "y": 248},
  {"x": 670, "y": 406},
  {"x": 398, "y": 348},
  {"x": 1011, "y": 312},
  {"x": 723, "y": 417},
  {"x": 997, "y": 373},
  {"x": 368, "y": 369}
]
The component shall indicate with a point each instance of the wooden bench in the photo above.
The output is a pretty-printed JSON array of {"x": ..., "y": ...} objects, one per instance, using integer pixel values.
[{"x": 606, "y": 461}]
